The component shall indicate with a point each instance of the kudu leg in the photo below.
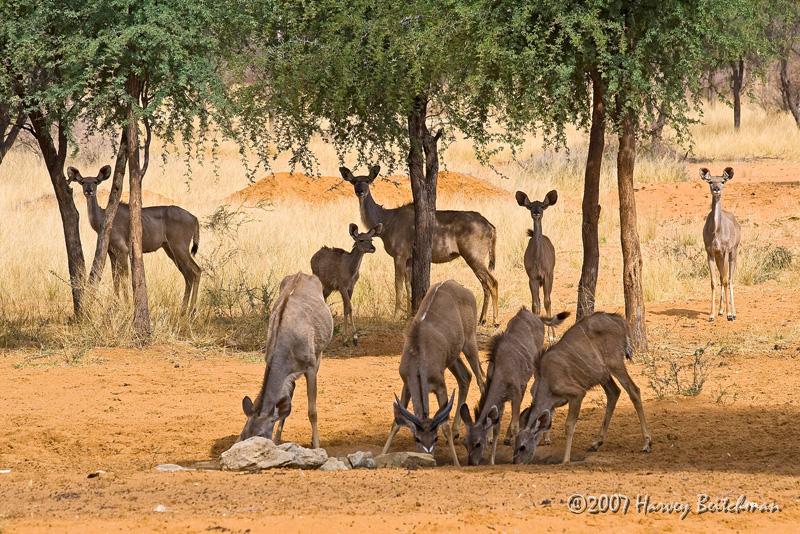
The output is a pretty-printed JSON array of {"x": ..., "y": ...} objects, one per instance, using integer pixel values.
[
  {"x": 311, "y": 385},
  {"x": 279, "y": 430},
  {"x": 471, "y": 352},
  {"x": 463, "y": 378},
  {"x": 535, "y": 304},
  {"x": 441, "y": 396},
  {"x": 399, "y": 283},
  {"x": 572, "y": 420},
  {"x": 612, "y": 395},
  {"x": 489, "y": 285},
  {"x": 405, "y": 397},
  {"x": 634, "y": 393},
  {"x": 725, "y": 282},
  {"x": 348, "y": 312},
  {"x": 732, "y": 267},
  {"x": 711, "y": 268},
  {"x": 513, "y": 428},
  {"x": 547, "y": 287}
]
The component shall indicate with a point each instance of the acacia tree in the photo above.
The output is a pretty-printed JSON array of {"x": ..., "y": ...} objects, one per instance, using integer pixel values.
[{"x": 389, "y": 80}]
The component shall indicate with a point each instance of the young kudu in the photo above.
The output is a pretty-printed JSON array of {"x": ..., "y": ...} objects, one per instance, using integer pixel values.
[
  {"x": 458, "y": 233},
  {"x": 721, "y": 235},
  {"x": 300, "y": 328},
  {"x": 592, "y": 352},
  {"x": 168, "y": 227},
  {"x": 338, "y": 269},
  {"x": 540, "y": 255},
  {"x": 443, "y": 328},
  {"x": 511, "y": 358}
]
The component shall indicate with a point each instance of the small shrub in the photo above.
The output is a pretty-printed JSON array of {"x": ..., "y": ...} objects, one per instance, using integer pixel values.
[{"x": 670, "y": 375}]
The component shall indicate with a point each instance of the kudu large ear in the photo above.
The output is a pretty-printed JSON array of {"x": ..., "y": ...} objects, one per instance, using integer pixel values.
[
  {"x": 444, "y": 412},
  {"x": 247, "y": 406},
  {"x": 493, "y": 417},
  {"x": 465, "y": 415},
  {"x": 347, "y": 174},
  {"x": 542, "y": 423},
  {"x": 376, "y": 230},
  {"x": 373, "y": 172},
  {"x": 104, "y": 174},
  {"x": 73, "y": 175},
  {"x": 728, "y": 173},
  {"x": 705, "y": 174},
  {"x": 284, "y": 407},
  {"x": 522, "y": 199},
  {"x": 524, "y": 416},
  {"x": 550, "y": 199},
  {"x": 403, "y": 417},
  {"x": 353, "y": 229}
]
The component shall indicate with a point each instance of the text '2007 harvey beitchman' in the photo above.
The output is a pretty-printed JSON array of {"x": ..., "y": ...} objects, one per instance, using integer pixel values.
[{"x": 643, "y": 504}]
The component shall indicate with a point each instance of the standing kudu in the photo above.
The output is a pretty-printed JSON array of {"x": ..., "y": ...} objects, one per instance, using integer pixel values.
[
  {"x": 442, "y": 329},
  {"x": 338, "y": 269},
  {"x": 168, "y": 227},
  {"x": 511, "y": 358},
  {"x": 592, "y": 352},
  {"x": 300, "y": 328},
  {"x": 458, "y": 233},
  {"x": 540, "y": 255},
  {"x": 721, "y": 235}
]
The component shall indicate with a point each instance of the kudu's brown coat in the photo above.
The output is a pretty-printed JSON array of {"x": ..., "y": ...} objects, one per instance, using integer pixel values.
[{"x": 540, "y": 255}]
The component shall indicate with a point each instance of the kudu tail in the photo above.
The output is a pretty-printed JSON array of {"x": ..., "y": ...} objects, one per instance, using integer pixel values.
[
  {"x": 556, "y": 320},
  {"x": 492, "y": 250},
  {"x": 196, "y": 237}
]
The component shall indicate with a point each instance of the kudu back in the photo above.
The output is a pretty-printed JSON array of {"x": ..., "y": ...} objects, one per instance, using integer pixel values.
[
  {"x": 592, "y": 352},
  {"x": 442, "y": 329},
  {"x": 169, "y": 227},
  {"x": 300, "y": 328},
  {"x": 511, "y": 357}
]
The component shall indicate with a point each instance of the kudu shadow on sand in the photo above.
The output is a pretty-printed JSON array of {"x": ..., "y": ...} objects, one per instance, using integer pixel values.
[
  {"x": 681, "y": 312},
  {"x": 689, "y": 435}
]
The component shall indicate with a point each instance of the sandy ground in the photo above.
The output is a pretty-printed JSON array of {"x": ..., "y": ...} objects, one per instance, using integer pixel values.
[{"x": 81, "y": 442}]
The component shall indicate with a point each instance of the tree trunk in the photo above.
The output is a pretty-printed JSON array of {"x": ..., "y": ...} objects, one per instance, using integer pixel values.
[
  {"x": 736, "y": 88},
  {"x": 10, "y": 126},
  {"x": 141, "y": 312},
  {"x": 54, "y": 158},
  {"x": 629, "y": 235},
  {"x": 789, "y": 96},
  {"x": 101, "y": 251},
  {"x": 591, "y": 200},
  {"x": 423, "y": 167}
]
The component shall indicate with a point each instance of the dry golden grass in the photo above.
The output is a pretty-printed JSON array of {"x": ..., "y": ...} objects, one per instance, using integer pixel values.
[{"x": 243, "y": 264}]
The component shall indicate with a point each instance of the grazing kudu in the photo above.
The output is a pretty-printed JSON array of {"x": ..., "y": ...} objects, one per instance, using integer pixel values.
[
  {"x": 592, "y": 352},
  {"x": 442, "y": 329},
  {"x": 511, "y": 357},
  {"x": 721, "y": 235},
  {"x": 338, "y": 269},
  {"x": 168, "y": 227},
  {"x": 458, "y": 233},
  {"x": 540, "y": 255},
  {"x": 300, "y": 327}
]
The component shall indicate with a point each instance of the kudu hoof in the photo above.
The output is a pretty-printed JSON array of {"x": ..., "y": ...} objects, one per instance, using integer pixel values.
[
  {"x": 731, "y": 318},
  {"x": 355, "y": 341},
  {"x": 507, "y": 441},
  {"x": 345, "y": 343},
  {"x": 648, "y": 445},
  {"x": 711, "y": 319},
  {"x": 497, "y": 325},
  {"x": 594, "y": 447},
  {"x": 482, "y": 322},
  {"x": 548, "y": 441}
]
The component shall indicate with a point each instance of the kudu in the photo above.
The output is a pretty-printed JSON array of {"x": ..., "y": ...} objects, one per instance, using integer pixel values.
[
  {"x": 540, "y": 255},
  {"x": 338, "y": 269},
  {"x": 592, "y": 352},
  {"x": 442, "y": 329},
  {"x": 300, "y": 328},
  {"x": 721, "y": 235},
  {"x": 511, "y": 357},
  {"x": 168, "y": 227},
  {"x": 458, "y": 233}
]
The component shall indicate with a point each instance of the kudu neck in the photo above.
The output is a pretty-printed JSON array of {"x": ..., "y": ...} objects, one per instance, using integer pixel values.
[
  {"x": 537, "y": 230},
  {"x": 372, "y": 213},
  {"x": 716, "y": 209},
  {"x": 355, "y": 257},
  {"x": 96, "y": 213}
]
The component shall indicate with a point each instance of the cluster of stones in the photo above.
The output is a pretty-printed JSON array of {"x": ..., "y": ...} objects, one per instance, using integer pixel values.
[{"x": 262, "y": 453}]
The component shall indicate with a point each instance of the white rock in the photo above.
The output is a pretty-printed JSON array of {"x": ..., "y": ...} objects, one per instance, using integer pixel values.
[
  {"x": 160, "y": 508},
  {"x": 361, "y": 460},
  {"x": 172, "y": 467},
  {"x": 408, "y": 460},
  {"x": 303, "y": 458},
  {"x": 254, "y": 453},
  {"x": 334, "y": 464}
]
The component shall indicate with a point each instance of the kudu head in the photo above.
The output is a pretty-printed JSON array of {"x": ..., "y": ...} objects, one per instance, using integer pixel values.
[
  {"x": 261, "y": 420},
  {"x": 425, "y": 430},
  {"x": 89, "y": 183},
  {"x": 716, "y": 182},
  {"x": 537, "y": 208},
  {"x": 477, "y": 437},
  {"x": 364, "y": 241},
  {"x": 361, "y": 183},
  {"x": 527, "y": 438}
]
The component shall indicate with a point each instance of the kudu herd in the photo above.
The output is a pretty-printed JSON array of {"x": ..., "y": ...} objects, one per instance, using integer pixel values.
[{"x": 591, "y": 352}]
